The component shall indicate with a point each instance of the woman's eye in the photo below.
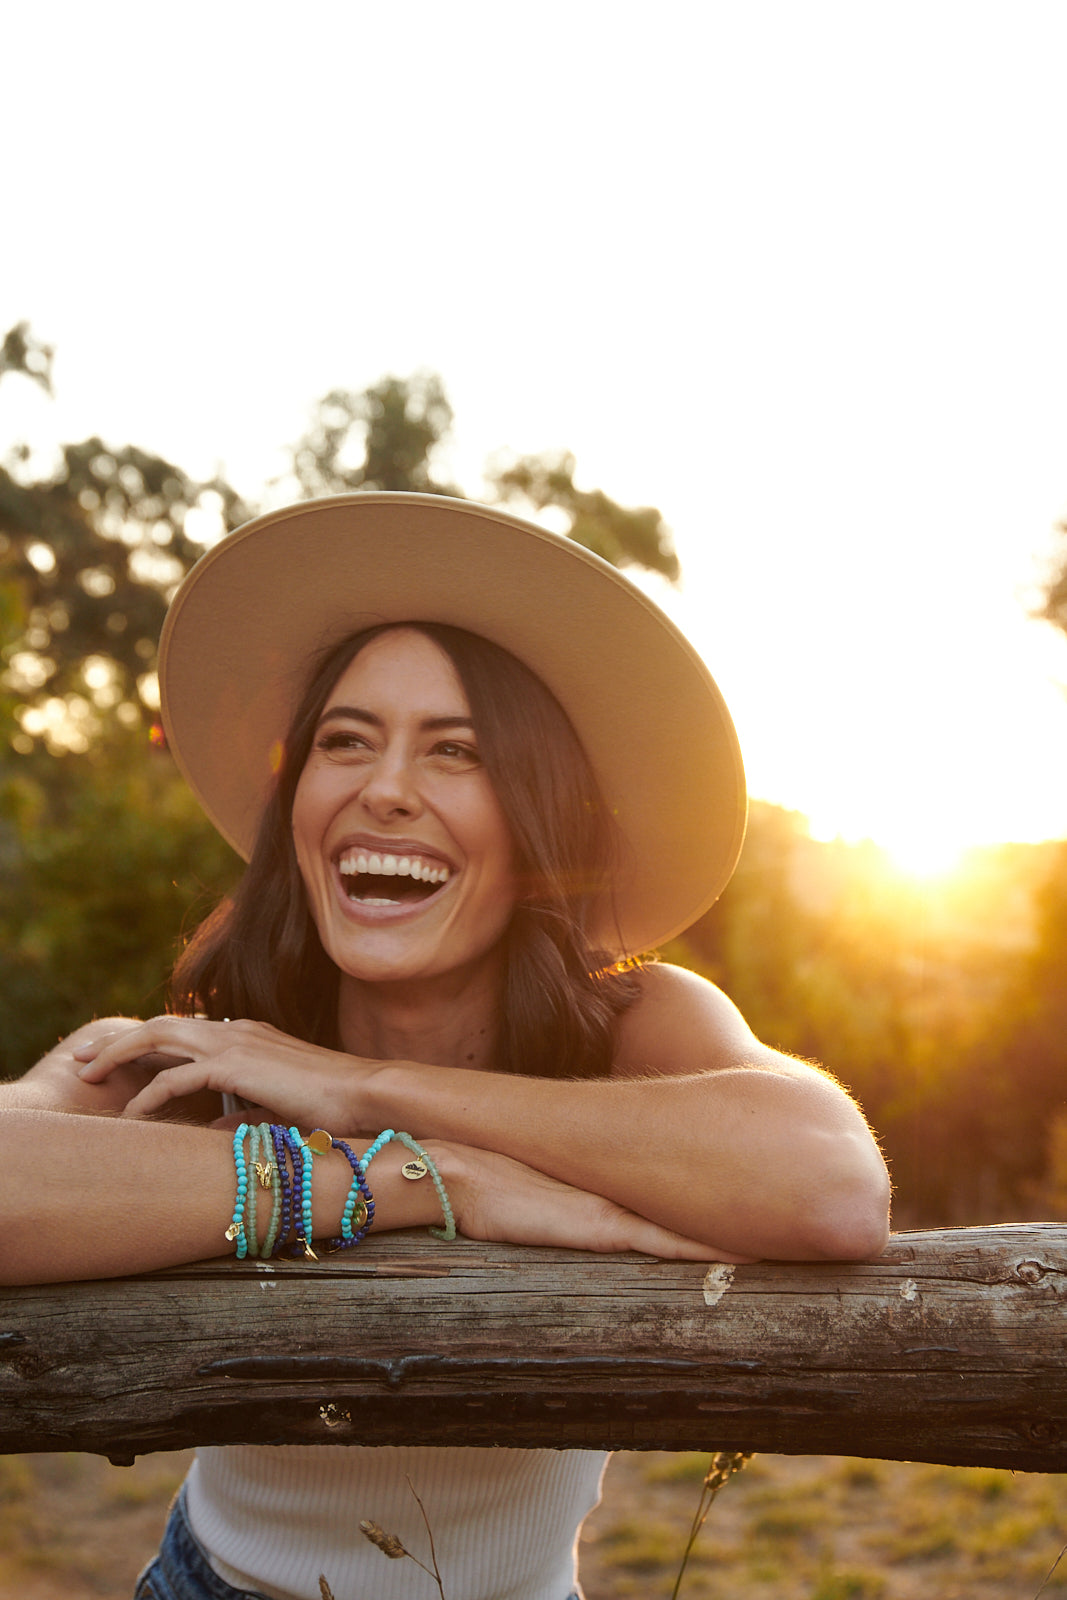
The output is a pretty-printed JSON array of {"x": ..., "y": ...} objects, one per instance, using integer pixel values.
[
  {"x": 457, "y": 754},
  {"x": 339, "y": 741}
]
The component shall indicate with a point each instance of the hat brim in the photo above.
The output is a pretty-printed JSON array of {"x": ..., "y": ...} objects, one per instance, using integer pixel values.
[{"x": 241, "y": 632}]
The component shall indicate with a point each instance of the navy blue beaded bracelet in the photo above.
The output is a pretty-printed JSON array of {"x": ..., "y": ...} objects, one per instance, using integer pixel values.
[
  {"x": 300, "y": 1246},
  {"x": 358, "y": 1210},
  {"x": 281, "y": 1155}
]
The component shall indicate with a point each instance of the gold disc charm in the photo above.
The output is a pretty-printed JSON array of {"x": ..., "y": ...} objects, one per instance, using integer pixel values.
[
  {"x": 414, "y": 1169},
  {"x": 319, "y": 1141}
]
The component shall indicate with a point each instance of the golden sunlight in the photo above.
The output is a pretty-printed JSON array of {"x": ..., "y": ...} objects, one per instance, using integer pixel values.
[{"x": 919, "y": 848}]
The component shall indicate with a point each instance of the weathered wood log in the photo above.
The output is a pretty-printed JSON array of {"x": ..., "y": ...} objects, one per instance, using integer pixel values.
[{"x": 948, "y": 1348}]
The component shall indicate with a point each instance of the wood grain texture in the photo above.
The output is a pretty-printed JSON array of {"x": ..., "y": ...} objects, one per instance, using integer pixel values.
[{"x": 948, "y": 1348}]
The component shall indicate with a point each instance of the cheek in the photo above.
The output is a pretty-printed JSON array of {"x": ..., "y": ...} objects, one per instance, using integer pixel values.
[{"x": 305, "y": 830}]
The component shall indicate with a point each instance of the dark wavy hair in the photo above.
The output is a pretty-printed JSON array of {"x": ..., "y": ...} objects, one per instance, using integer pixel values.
[{"x": 258, "y": 954}]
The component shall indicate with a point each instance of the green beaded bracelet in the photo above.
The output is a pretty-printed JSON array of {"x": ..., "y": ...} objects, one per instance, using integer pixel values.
[{"x": 427, "y": 1165}]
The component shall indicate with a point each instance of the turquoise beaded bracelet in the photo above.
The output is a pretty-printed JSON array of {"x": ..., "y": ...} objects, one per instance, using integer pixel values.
[
  {"x": 416, "y": 1169},
  {"x": 236, "y": 1230}
]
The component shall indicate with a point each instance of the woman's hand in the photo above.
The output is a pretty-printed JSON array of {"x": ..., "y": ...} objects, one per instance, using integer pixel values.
[
  {"x": 300, "y": 1083},
  {"x": 55, "y": 1082},
  {"x": 500, "y": 1200}
]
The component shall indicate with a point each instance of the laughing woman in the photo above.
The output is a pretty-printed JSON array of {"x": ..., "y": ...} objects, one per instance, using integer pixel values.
[{"x": 474, "y": 772}]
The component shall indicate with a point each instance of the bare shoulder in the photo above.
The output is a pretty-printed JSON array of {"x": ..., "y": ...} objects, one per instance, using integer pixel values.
[{"x": 680, "y": 1024}]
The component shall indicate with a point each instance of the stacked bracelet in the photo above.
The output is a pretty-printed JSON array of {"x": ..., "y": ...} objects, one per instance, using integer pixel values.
[{"x": 282, "y": 1160}]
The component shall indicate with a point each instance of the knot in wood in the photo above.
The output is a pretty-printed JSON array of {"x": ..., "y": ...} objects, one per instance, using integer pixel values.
[{"x": 1031, "y": 1271}]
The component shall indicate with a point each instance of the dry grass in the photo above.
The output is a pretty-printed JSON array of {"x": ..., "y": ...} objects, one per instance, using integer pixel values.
[
  {"x": 787, "y": 1528},
  {"x": 827, "y": 1528}
]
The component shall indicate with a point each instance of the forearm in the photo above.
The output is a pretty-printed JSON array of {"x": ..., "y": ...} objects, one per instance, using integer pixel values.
[
  {"x": 91, "y": 1197},
  {"x": 761, "y": 1162}
]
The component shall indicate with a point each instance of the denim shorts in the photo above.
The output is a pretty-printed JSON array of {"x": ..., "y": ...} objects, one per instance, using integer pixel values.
[{"x": 182, "y": 1571}]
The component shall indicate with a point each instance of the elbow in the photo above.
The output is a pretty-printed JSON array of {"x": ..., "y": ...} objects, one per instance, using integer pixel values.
[{"x": 851, "y": 1221}]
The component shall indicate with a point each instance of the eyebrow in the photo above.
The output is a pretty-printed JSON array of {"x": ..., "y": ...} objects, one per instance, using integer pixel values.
[{"x": 427, "y": 724}]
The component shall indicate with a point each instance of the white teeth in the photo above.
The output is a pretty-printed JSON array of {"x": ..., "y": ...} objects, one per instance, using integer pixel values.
[{"x": 388, "y": 866}]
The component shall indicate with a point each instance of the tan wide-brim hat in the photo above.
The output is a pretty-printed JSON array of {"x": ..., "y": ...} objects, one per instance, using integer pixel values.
[{"x": 240, "y": 635}]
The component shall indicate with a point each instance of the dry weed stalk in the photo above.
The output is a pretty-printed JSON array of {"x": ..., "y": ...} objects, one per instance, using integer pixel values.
[
  {"x": 1048, "y": 1574},
  {"x": 390, "y": 1545},
  {"x": 721, "y": 1468}
]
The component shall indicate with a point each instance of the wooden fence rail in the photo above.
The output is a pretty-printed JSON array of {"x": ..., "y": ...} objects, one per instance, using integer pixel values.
[{"x": 948, "y": 1348}]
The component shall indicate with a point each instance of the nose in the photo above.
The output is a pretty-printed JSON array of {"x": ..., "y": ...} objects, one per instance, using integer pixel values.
[{"x": 390, "y": 788}]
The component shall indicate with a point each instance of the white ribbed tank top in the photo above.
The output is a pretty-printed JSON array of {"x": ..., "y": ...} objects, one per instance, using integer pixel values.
[{"x": 505, "y": 1522}]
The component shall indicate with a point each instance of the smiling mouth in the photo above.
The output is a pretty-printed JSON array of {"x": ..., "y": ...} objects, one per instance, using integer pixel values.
[{"x": 371, "y": 879}]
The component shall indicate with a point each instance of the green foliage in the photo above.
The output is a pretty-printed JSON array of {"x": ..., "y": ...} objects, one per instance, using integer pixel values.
[
  {"x": 1053, "y": 607},
  {"x": 88, "y": 560},
  {"x": 21, "y": 352},
  {"x": 625, "y": 537},
  {"x": 942, "y": 1007},
  {"x": 106, "y": 858},
  {"x": 381, "y": 438}
]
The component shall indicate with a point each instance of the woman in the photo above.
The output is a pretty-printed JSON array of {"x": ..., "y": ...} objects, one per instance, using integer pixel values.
[{"x": 472, "y": 768}]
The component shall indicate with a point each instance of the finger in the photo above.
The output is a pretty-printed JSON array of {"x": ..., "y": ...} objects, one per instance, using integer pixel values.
[
  {"x": 178, "y": 1038},
  {"x": 174, "y": 1083},
  {"x": 89, "y": 1048}
]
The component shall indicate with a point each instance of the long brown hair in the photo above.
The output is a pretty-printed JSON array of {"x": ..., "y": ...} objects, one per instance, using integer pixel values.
[{"x": 258, "y": 955}]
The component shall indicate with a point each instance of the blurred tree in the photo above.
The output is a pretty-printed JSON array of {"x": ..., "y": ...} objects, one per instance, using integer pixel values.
[
  {"x": 102, "y": 850},
  {"x": 89, "y": 557},
  {"x": 625, "y": 537},
  {"x": 21, "y": 352},
  {"x": 1054, "y": 604},
  {"x": 377, "y": 438},
  {"x": 111, "y": 860}
]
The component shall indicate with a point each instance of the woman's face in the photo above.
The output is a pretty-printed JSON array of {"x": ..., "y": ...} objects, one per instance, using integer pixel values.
[{"x": 405, "y": 854}]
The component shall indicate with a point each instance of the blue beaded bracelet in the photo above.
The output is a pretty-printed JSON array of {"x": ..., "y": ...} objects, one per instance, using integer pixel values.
[
  {"x": 302, "y": 1191},
  {"x": 281, "y": 1157},
  {"x": 236, "y": 1230},
  {"x": 359, "y": 1205}
]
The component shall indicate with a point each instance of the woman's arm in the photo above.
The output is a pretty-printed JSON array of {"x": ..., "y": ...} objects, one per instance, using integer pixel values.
[
  {"x": 703, "y": 1130},
  {"x": 101, "y": 1197}
]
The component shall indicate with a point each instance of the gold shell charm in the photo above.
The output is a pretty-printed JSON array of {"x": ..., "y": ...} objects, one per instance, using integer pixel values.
[
  {"x": 319, "y": 1142},
  {"x": 233, "y": 1231},
  {"x": 414, "y": 1169}
]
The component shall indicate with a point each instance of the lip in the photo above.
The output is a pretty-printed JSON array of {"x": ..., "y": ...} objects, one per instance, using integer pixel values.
[{"x": 402, "y": 911}]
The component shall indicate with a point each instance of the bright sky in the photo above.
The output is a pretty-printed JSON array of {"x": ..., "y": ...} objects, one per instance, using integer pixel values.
[{"x": 792, "y": 272}]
